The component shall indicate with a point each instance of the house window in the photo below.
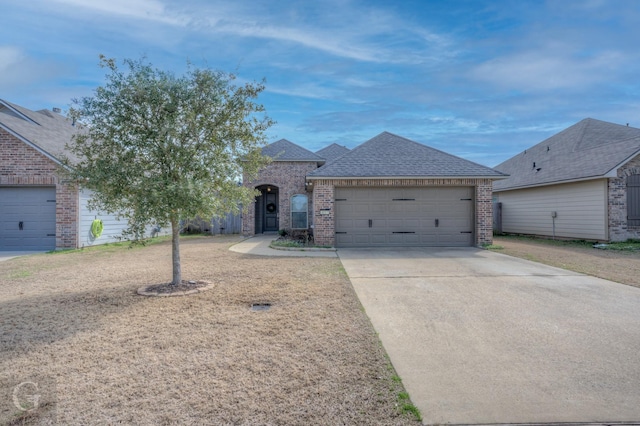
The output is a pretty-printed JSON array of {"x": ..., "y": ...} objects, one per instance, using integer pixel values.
[
  {"x": 633, "y": 200},
  {"x": 299, "y": 212}
]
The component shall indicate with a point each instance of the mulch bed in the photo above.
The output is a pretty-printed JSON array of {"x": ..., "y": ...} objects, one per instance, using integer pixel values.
[{"x": 169, "y": 289}]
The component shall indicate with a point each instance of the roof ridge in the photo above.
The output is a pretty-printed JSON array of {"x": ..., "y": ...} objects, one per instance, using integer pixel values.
[{"x": 436, "y": 149}]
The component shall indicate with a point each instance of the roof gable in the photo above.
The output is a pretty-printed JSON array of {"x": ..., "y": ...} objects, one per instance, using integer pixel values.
[
  {"x": 389, "y": 155},
  {"x": 284, "y": 150},
  {"x": 587, "y": 150},
  {"x": 47, "y": 132},
  {"x": 332, "y": 151}
]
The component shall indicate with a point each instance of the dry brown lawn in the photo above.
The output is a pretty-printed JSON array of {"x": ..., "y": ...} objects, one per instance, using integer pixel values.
[
  {"x": 105, "y": 355},
  {"x": 619, "y": 266}
]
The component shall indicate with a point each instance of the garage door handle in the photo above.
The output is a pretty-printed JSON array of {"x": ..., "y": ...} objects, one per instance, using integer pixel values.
[
  {"x": 370, "y": 223},
  {"x": 20, "y": 225},
  {"x": 437, "y": 222}
]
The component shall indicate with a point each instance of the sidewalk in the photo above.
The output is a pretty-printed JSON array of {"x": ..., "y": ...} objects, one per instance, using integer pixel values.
[{"x": 259, "y": 245}]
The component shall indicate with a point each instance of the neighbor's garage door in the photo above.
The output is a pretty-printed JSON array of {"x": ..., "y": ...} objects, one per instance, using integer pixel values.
[
  {"x": 434, "y": 216},
  {"x": 27, "y": 218}
]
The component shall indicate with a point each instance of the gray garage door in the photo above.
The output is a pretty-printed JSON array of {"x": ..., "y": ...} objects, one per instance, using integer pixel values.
[
  {"x": 435, "y": 216},
  {"x": 27, "y": 218}
]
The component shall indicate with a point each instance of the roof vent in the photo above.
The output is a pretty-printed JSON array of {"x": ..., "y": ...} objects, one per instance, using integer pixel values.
[{"x": 57, "y": 110}]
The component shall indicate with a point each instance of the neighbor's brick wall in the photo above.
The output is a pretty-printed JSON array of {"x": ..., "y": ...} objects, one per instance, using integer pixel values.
[
  {"x": 21, "y": 165},
  {"x": 323, "y": 197},
  {"x": 617, "y": 194},
  {"x": 290, "y": 178}
]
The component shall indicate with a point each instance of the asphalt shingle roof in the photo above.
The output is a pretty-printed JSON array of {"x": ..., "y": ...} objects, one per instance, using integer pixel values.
[
  {"x": 389, "y": 155},
  {"x": 48, "y": 131},
  {"x": 589, "y": 149},
  {"x": 284, "y": 150},
  {"x": 332, "y": 152}
]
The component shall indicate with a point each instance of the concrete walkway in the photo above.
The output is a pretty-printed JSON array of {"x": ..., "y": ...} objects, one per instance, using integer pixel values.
[
  {"x": 480, "y": 337},
  {"x": 6, "y": 255},
  {"x": 259, "y": 245}
]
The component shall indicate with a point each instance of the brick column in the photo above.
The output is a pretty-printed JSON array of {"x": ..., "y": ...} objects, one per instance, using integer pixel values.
[
  {"x": 324, "y": 224},
  {"x": 484, "y": 212}
]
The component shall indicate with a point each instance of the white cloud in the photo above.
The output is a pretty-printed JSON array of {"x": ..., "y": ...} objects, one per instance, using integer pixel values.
[
  {"x": 549, "y": 69},
  {"x": 151, "y": 10},
  {"x": 344, "y": 29},
  {"x": 9, "y": 57}
]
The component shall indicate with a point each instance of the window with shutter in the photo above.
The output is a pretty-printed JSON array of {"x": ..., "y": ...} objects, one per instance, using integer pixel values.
[{"x": 633, "y": 200}]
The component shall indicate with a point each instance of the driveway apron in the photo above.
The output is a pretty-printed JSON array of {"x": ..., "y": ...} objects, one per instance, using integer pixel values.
[{"x": 480, "y": 337}]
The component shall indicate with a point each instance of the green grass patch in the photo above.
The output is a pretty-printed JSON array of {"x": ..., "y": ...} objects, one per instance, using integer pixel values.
[
  {"x": 20, "y": 274},
  {"x": 493, "y": 247},
  {"x": 294, "y": 244},
  {"x": 629, "y": 245},
  {"x": 408, "y": 408},
  {"x": 119, "y": 245},
  {"x": 287, "y": 243}
]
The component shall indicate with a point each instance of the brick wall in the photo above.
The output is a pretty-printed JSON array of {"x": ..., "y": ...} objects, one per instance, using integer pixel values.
[
  {"x": 617, "y": 194},
  {"x": 21, "y": 165},
  {"x": 484, "y": 211},
  {"x": 289, "y": 177},
  {"x": 323, "y": 197},
  {"x": 324, "y": 224}
]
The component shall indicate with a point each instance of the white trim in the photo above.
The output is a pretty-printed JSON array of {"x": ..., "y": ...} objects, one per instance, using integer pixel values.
[
  {"x": 613, "y": 173},
  {"x": 18, "y": 112}
]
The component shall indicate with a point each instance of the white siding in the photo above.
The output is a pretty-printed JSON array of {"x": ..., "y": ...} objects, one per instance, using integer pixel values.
[
  {"x": 111, "y": 232},
  {"x": 580, "y": 207}
]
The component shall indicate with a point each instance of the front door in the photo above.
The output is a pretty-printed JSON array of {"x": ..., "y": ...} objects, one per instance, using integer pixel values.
[{"x": 271, "y": 211}]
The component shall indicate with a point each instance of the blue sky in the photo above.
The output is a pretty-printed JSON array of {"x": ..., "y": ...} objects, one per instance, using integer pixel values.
[{"x": 479, "y": 79}]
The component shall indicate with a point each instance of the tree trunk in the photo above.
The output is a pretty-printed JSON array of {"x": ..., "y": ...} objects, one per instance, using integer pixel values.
[{"x": 175, "y": 251}]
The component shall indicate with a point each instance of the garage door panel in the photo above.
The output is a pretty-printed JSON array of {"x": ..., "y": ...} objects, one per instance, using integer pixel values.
[
  {"x": 405, "y": 216},
  {"x": 376, "y": 209},
  {"x": 379, "y": 238},
  {"x": 35, "y": 209}
]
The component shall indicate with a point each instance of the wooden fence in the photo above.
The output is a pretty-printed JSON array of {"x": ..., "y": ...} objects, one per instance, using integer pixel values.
[{"x": 229, "y": 224}]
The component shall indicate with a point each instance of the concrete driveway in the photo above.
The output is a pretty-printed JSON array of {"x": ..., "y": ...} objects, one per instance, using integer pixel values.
[
  {"x": 480, "y": 337},
  {"x": 6, "y": 255}
]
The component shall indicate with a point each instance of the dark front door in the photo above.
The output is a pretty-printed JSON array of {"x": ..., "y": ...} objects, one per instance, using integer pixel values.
[{"x": 271, "y": 211}]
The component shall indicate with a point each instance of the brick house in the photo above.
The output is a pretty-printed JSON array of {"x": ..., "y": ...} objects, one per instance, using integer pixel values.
[
  {"x": 582, "y": 183},
  {"x": 39, "y": 211},
  {"x": 388, "y": 191}
]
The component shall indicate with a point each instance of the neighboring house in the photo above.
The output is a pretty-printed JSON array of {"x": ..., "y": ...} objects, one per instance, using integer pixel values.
[
  {"x": 389, "y": 191},
  {"x": 332, "y": 152},
  {"x": 583, "y": 183},
  {"x": 38, "y": 211}
]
